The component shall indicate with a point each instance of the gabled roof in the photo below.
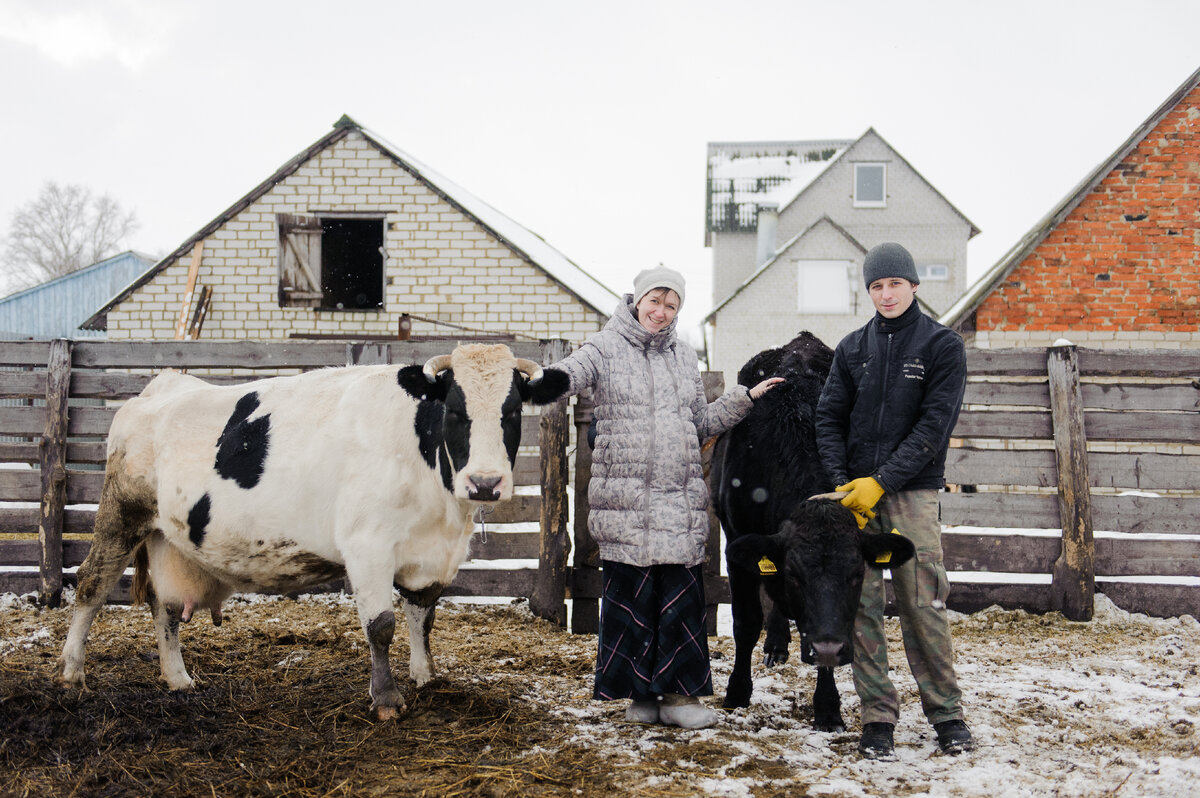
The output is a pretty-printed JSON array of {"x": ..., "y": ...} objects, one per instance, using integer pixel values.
[
  {"x": 1028, "y": 243},
  {"x": 779, "y": 172},
  {"x": 55, "y": 308},
  {"x": 522, "y": 240},
  {"x": 770, "y": 262},
  {"x": 974, "y": 231}
]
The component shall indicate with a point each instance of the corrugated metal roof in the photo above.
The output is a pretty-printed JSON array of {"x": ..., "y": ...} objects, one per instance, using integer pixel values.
[{"x": 55, "y": 309}]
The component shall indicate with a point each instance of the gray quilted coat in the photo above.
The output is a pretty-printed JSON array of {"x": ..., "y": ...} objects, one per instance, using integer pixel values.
[{"x": 647, "y": 494}]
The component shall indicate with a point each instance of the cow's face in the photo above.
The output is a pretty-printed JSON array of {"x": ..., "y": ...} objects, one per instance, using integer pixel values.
[
  {"x": 819, "y": 555},
  {"x": 469, "y": 421}
]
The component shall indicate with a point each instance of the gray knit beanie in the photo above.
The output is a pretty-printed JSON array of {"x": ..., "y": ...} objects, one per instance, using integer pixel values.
[
  {"x": 889, "y": 260},
  {"x": 662, "y": 277}
]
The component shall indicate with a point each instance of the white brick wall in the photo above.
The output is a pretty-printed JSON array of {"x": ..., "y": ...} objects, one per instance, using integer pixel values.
[{"x": 440, "y": 264}]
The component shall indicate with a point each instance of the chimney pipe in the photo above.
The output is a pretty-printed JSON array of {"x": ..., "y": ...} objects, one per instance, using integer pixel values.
[{"x": 768, "y": 221}]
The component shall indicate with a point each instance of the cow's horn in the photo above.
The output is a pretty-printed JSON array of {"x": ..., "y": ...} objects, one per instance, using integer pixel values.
[
  {"x": 435, "y": 366},
  {"x": 530, "y": 369}
]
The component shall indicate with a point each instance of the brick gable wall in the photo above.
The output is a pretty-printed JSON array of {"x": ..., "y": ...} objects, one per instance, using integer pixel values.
[
  {"x": 1122, "y": 266},
  {"x": 440, "y": 264}
]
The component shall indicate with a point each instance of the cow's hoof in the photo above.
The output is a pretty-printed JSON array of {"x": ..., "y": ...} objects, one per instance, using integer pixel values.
[
  {"x": 388, "y": 712},
  {"x": 65, "y": 676},
  {"x": 735, "y": 702},
  {"x": 422, "y": 676},
  {"x": 837, "y": 728},
  {"x": 773, "y": 658},
  {"x": 71, "y": 683}
]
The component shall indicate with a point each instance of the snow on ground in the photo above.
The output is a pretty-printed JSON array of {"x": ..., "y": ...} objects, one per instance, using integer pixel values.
[{"x": 1109, "y": 707}]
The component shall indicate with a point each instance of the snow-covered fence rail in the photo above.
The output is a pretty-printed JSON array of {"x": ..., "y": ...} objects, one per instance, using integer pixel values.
[
  {"x": 1079, "y": 471},
  {"x": 52, "y": 450}
]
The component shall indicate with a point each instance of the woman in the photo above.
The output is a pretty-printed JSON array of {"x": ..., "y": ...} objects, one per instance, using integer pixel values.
[{"x": 649, "y": 503}]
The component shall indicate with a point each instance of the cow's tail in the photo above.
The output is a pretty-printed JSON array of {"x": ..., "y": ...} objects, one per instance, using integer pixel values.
[{"x": 141, "y": 590}]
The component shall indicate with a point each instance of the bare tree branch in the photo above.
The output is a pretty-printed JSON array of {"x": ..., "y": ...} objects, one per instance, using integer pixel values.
[{"x": 64, "y": 229}]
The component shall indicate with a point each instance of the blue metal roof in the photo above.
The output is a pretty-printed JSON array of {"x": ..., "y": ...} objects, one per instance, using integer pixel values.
[{"x": 55, "y": 309}]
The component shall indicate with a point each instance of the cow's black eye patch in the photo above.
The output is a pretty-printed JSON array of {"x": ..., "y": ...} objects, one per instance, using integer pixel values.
[
  {"x": 428, "y": 426},
  {"x": 242, "y": 447},
  {"x": 198, "y": 518}
]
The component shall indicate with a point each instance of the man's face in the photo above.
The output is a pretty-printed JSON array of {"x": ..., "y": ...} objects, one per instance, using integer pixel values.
[{"x": 892, "y": 296}]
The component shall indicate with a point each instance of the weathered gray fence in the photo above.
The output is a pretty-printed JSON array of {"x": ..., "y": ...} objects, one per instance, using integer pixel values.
[
  {"x": 1054, "y": 439},
  {"x": 52, "y": 450},
  {"x": 1078, "y": 440}
]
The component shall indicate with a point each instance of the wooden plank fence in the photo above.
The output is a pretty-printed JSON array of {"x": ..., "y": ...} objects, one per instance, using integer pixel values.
[
  {"x": 1049, "y": 439},
  {"x": 52, "y": 449},
  {"x": 1102, "y": 445}
]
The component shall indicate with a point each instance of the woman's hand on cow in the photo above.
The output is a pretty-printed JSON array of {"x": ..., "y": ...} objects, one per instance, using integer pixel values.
[{"x": 764, "y": 386}]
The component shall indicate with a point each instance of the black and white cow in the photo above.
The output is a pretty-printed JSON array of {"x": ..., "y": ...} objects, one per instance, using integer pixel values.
[
  {"x": 371, "y": 472},
  {"x": 806, "y": 552}
]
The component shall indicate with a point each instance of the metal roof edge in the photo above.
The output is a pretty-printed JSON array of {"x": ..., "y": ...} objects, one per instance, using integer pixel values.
[{"x": 975, "y": 295}]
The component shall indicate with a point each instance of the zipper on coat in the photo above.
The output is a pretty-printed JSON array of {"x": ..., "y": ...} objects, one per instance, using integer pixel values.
[
  {"x": 887, "y": 365},
  {"x": 649, "y": 460}
]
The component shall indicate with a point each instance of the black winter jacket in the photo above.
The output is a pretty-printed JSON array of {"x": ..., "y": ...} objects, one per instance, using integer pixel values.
[{"x": 891, "y": 401}]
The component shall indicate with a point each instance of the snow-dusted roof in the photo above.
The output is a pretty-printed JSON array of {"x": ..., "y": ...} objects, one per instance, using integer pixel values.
[
  {"x": 749, "y": 174},
  {"x": 970, "y": 301},
  {"x": 536, "y": 248},
  {"x": 524, "y": 241}
]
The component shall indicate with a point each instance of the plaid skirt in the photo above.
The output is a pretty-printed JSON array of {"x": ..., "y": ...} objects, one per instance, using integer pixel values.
[{"x": 652, "y": 632}]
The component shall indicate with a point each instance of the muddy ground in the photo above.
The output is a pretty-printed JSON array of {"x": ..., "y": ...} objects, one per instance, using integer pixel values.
[{"x": 1059, "y": 708}]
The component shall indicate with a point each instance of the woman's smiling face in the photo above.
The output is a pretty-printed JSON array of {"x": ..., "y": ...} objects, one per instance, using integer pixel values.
[{"x": 657, "y": 308}]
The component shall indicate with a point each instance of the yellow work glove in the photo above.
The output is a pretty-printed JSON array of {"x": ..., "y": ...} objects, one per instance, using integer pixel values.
[
  {"x": 865, "y": 493},
  {"x": 862, "y": 518}
]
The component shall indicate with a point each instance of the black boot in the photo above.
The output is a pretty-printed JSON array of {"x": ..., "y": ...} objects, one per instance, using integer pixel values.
[
  {"x": 876, "y": 741},
  {"x": 954, "y": 737}
]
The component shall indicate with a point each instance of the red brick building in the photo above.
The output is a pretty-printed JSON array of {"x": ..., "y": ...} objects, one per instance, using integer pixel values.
[{"x": 1116, "y": 264}]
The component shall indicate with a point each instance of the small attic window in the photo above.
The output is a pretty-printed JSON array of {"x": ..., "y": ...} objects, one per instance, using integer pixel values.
[
  {"x": 870, "y": 185},
  {"x": 331, "y": 262},
  {"x": 932, "y": 272}
]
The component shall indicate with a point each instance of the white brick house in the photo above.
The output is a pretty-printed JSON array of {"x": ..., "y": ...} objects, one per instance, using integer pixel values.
[
  {"x": 343, "y": 240},
  {"x": 789, "y": 223}
]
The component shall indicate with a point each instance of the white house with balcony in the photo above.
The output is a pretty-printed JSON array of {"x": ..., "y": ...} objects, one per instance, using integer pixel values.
[{"x": 789, "y": 222}]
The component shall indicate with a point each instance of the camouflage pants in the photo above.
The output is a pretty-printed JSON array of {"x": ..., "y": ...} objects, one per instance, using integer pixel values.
[{"x": 921, "y": 588}]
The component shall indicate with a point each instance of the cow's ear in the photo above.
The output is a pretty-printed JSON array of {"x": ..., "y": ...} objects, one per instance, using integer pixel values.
[
  {"x": 886, "y": 549},
  {"x": 747, "y": 550},
  {"x": 550, "y": 388},
  {"x": 413, "y": 380}
]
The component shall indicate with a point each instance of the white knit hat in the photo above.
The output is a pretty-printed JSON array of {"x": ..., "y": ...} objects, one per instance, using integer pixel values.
[{"x": 662, "y": 277}]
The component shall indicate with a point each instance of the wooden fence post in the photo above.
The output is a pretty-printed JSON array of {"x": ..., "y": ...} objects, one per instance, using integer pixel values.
[
  {"x": 585, "y": 612},
  {"x": 52, "y": 458},
  {"x": 714, "y": 386},
  {"x": 550, "y": 587},
  {"x": 1073, "y": 584}
]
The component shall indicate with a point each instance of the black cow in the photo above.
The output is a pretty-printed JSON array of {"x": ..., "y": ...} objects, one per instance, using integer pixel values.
[{"x": 807, "y": 553}]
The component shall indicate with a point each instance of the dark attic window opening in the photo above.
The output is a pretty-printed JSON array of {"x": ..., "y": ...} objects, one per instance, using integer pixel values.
[
  {"x": 1135, "y": 217},
  {"x": 331, "y": 262},
  {"x": 1102, "y": 277},
  {"x": 351, "y": 264}
]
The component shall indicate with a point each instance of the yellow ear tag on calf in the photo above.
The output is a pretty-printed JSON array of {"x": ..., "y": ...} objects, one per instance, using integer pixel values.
[
  {"x": 886, "y": 557},
  {"x": 766, "y": 567}
]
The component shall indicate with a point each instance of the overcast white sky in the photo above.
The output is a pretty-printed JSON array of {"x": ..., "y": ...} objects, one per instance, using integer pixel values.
[{"x": 586, "y": 123}]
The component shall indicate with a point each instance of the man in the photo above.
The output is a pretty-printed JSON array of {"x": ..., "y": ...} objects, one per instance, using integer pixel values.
[{"x": 883, "y": 426}]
